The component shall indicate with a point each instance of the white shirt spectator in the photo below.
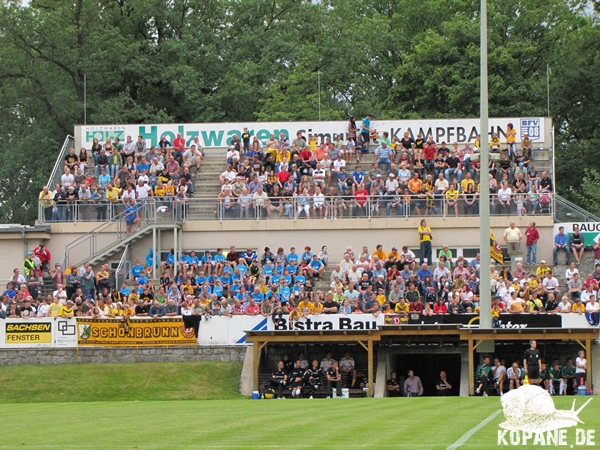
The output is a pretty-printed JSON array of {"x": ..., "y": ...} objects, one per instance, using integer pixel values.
[
  {"x": 319, "y": 199},
  {"x": 441, "y": 185},
  {"x": 569, "y": 274},
  {"x": 229, "y": 175},
  {"x": 504, "y": 194},
  {"x": 142, "y": 191},
  {"x": 338, "y": 163},
  {"x": 67, "y": 180},
  {"x": 550, "y": 283},
  {"x": 42, "y": 310}
]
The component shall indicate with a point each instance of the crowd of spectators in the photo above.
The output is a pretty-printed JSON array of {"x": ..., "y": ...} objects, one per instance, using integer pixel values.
[
  {"x": 304, "y": 176},
  {"x": 279, "y": 284},
  {"x": 124, "y": 173}
]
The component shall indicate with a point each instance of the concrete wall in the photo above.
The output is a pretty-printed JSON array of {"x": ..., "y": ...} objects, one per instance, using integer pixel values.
[
  {"x": 122, "y": 354},
  {"x": 459, "y": 232}
]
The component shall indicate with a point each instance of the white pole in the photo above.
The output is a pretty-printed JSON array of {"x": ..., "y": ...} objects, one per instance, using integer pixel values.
[{"x": 485, "y": 315}]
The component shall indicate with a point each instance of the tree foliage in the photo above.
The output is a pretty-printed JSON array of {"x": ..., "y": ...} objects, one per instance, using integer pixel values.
[{"x": 234, "y": 60}]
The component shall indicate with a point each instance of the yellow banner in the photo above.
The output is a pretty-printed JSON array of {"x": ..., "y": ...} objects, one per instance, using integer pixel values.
[
  {"x": 28, "y": 333},
  {"x": 495, "y": 251},
  {"x": 117, "y": 332}
]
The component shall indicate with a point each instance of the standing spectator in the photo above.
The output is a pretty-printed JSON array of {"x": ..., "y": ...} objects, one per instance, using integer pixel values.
[
  {"x": 513, "y": 237},
  {"x": 46, "y": 199},
  {"x": 425, "y": 242},
  {"x": 412, "y": 385},
  {"x": 44, "y": 255},
  {"x": 365, "y": 130},
  {"x": 580, "y": 366},
  {"x": 28, "y": 265},
  {"x": 442, "y": 386},
  {"x": 561, "y": 243},
  {"x": 532, "y": 237},
  {"x": 393, "y": 386},
  {"x": 334, "y": 376}
]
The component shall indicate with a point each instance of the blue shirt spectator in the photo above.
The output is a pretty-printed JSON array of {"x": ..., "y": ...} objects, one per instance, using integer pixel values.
[{"x": 423, "y": 272}]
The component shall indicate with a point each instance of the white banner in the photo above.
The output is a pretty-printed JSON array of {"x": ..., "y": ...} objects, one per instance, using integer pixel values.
[
  {"x": 46, "y": 332},
  {"x": 220, "y": 134},
  {"x": 589, "y": 230},
  {"x": 232, "y": 330}
]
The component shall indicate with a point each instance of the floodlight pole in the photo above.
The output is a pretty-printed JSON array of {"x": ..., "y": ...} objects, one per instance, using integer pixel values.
[
  {"x": 485, "y": 309},
  {"x": 319, "y": 89}
]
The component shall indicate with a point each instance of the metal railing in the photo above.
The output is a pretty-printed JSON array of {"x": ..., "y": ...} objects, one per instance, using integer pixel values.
[
  {"x": 164, "y": 209},
  {"x": 117, "y": 228},
  {"x": 565, "y": 211},
  {"x": 57, "y": 171},
  {"x": 120, "y": 273}
]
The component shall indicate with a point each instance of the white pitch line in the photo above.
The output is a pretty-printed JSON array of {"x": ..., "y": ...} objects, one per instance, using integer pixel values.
[{"x": 465, "y": 437}]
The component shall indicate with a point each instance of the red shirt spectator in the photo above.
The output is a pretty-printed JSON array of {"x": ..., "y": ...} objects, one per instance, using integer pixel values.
[
  {"x": 306, "y": 155},
  {"x": 360, "y": 196},
  {"x": 179, "y": 143},
  {"x": 283, "y": 175},
  {"x": 252, "y": 309},
  {"x": 440, "y": 308},
  {"x": 532, "y": 235},
  {"x": 430, "y": 151}
]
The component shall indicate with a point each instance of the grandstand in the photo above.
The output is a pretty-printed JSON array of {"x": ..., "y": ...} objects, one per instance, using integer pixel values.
[{"x": 282, "y": 192}]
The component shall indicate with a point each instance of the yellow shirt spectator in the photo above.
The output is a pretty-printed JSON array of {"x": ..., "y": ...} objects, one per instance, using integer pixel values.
[
  {"x": 306, "y": 307},
  {"x": 380, "y": 254},
  {"x": 424, "y": 237},
  {"x": 381, "y": 299},
  {"x": 464, "y": 184},
  {"x": 452, "y": 195},
  {"x": 160, "y": 191},
  {"x": 66, "y": 311},
  {"x": 54, "y": 309},
  {"x": 578, "y": 307},
  {"x": 541, "y": 271},
  {"x": 112, "y": 195},
  {"x": 401, "y": 307}
]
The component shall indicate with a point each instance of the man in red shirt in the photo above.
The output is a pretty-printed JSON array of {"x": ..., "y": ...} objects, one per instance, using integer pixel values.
[
  {"x": 533, "y": 236},
  {"x": 308, "y": 158},
  {"x": 429, "y": 151},
  {"x": 283, "y": 175},
  {"x": 360, "y": 199},
  {"x": 44, "y": 255},
  {"x": 179, "y": 147},
  {"x": 251, "y": 309}
]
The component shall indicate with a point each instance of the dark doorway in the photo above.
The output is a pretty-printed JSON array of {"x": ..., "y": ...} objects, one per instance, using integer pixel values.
[{"x": 428, "y": 368}]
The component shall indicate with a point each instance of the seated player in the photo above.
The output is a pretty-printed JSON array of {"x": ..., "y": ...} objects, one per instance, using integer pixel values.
[
  {"x": 312, "y": 377},
  {"x": 279, "y": 379},
  {"x": 297, "y": 379}
]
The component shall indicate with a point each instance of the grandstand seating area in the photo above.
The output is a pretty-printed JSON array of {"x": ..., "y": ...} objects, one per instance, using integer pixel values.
[{"x": 301, "y": 178}]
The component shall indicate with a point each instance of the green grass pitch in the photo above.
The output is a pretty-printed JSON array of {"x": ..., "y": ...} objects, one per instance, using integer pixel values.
[
  {"x": 427, "y": 423},
  {"x": 162, "y": 406}
]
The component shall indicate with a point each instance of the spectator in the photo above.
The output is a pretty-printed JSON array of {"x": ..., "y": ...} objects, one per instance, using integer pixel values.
[
  {"x": 443, "y": 386},
  {"x": 412, "y": 385},
  {"x": 393, "y": 386},
  {"x": 425, "y": 238},
  {"x": 513, "y": 238},
  {"x": 577, "y": 244},
  {"x": 532, "y": 237},
  {"x": 561, "y": 243}
]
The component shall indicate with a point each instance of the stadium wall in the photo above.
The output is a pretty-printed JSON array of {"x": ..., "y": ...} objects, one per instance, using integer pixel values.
[{"x": 81, "y": 355}]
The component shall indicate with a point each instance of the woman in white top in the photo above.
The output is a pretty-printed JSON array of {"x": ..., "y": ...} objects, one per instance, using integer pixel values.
[
  {"x": 572, "y": 270},
  {"x": 565, "y": 305},
  {"x": 580, "y": 365}
]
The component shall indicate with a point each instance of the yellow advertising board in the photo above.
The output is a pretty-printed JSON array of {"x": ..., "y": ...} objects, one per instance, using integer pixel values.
[
  {"x": 28, "y": 333},
  {"x": 135, "y": 332}
]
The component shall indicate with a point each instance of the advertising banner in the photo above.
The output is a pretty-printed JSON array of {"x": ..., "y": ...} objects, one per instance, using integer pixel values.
[
  {"x": 31, "y": 333},
  {"x": 589, "y": 230},
  {"x": 472, "y": 320},
  {"x": 220, "y": 134},
  {"x": 142, "y": 332}
]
